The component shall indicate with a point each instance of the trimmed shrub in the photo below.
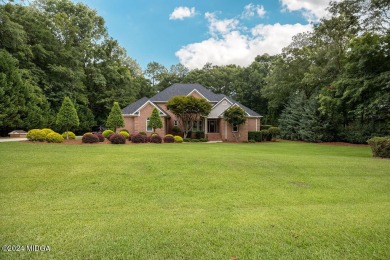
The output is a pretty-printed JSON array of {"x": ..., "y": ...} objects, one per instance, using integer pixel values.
[
  {"x": 47, "y": 131},
  {"x": 36, "y": 135},
  {"x": 138, "y": 138},
  {"x": 90, "y": 138},
  {"x": 100, "y": 136},
  {"x": 54, "y": 138},
  {"x": 124, "y": 134},
  {"x": 107, "y": 132},
  {"x": 178, "y": 139},
  {"x": 169, "y": 135},
  {"x": 156, "y": 139},
  {"x": 142, "y": 133},
  {"x": 266, "y": 136},
  {"x": 109, "y": 136},
  {"x": 187, "y": 140},
  {"x": 195, "y": 140},
  {"x": 255, "y": 135},
  {"x": 169, "y": 139},
  {"x": 252, "y": 141},
  {"x": 71, "y": 135},
  {"x": 176, "y": 130},
  {"x": 124, "y": 130},
  {"x": 199, "y": 134},
  {"x": 274, "y": 131},
  {"x": 117, "y": 139},
  {"x": 203, "y": 140},
  {"x": 380, "y": 146}
]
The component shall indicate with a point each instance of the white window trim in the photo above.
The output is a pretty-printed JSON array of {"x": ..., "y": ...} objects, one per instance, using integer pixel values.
[
  {"x": 238, "y": 129},
  {"x": 175, "y": 123}
]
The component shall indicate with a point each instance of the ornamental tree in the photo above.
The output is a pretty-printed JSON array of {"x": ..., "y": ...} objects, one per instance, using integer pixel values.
[
  {"x": 155, "y": 120},
  {"x": 235, "y": 116},
  {"x": 188, "y": 109},
  {"x": 67, "y": 116},
  {"x": 115, "y": 118}
]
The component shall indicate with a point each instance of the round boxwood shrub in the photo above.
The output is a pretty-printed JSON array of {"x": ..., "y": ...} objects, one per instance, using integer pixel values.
[
  {"x": 124, "y": 130},
  {"x": 156, "y": 139},
  {"x": 90, "y": 138},
  {"x": 169, "y": 139},
  {"x": 117, "y": 139},
  {"x": 107, "y": 132},
  {"x": 138, "y": 138},
  {"x": 54, "y": 138},
  {"x": 36, "y": 135},
  {"x": 47, "y": 131},
  {"x": 71, "y": 135},
  {"x": 125, "y": 134},
  {"x": 100, "y": 136},
  {"x": 178, "y": 139}
]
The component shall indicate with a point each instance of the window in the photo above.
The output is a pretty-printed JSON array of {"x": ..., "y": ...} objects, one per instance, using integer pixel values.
[
  {"x": 200, "y": 125},
  {"x": 175, "y": 123},
  {"x": 235, "y": 128},
  {"x": 195, "y": 126},
  {"x": 148, "y": 129}
]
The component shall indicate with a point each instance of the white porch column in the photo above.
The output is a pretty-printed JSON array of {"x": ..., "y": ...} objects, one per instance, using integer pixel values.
[{"x": 205, "y": 125}]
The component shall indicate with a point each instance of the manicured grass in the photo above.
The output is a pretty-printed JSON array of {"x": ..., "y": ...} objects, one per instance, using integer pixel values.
[{"x": 194, "y": 201}]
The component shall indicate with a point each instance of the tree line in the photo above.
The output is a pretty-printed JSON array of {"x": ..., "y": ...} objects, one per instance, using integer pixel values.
[{"x": 330, "y": 84}]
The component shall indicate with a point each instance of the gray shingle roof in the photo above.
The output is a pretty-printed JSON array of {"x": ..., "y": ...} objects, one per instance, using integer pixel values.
[
  {"x": 183, "y": 90},
  {"x": 130, "y": 109}
]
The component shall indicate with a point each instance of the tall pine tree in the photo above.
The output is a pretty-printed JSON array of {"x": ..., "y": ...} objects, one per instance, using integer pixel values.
[
  {"x": 67, "y": 116},
  {"x": 115, "y": 118},
  {"x": 155, "y": 120}
]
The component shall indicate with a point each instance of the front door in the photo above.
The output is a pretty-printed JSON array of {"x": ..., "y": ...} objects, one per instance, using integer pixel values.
[{"x": 212, "y": 126}]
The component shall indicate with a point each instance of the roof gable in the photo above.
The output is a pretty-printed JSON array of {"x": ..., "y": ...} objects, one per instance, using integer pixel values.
[{"x": 184, "y": 90}]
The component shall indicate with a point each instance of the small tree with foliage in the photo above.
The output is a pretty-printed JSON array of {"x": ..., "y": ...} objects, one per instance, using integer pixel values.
[
  {"x": 67, "y": 116},
  {"x": 188, "y": 109},
  {"x": 155, "y": 120},
  {"x": 235, "y": 116},
  {"x": 115, "y": 118}
]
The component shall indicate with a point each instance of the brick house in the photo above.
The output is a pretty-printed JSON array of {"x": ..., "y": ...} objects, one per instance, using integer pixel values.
[{"x": 136, "y": 115}]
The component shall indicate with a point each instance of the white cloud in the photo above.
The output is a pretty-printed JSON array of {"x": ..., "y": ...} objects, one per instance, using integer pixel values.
[
  {"x": 250, "y": 10},
  {"x": 220, "y": 26},
  {"x": 236, "y": 46},
  {"x": 313, "y": 10},
  {"x": 182, "y": 12}
]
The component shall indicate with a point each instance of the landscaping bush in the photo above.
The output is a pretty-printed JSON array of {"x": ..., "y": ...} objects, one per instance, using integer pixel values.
[
  {"x": 199, "y": 134},
  {"x": 178, "y": 139},
  {"x": 142, "y": 133},
  {"x": 124, "y": 130},
  {"x": 36, "y": 135},
  {"x": 252, "y": 141},
  {"x": 169, "y": 139},
  {"x": 156, "y": 139},
  {"x": 54, "y": 138},
  {"x": 107, "y": 132},
  {"x": 138, "y": 138},
  {"x": 71, "y": 135},
  {"x": 100, "y": 136},
  {"x": 187, "y": 140},
  {"x": 117, "y": 139},
  {"x": 266, "y": 136},
  {"x": 255, "y": 135},
  {"x": 274, "y": 131},
  {"x": 195, "y": 140},
  {"x": 203, "y": 140},
  {"x": 380, "y": 146},
  {"x": 126, "y": 135},
  {"x": 176, "y": 130},
  {"x": 47, "y": 131},
  {"x": 109, "y": 136},
  {"x": 90, "y": 138}
]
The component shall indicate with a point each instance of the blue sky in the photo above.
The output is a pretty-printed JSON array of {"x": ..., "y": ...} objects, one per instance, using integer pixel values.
[{"x": 195, "y": 32}]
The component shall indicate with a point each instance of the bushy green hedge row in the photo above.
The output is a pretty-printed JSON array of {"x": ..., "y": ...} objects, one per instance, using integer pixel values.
[
  {"x": 260, "y": 136},
  {"x": 380, "y": 146}
]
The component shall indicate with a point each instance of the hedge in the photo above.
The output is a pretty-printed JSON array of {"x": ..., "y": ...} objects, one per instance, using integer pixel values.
[
  {"x": 36, "y": 135},
  {"x": 380, "y": 146},
  {"x": 117, "y": 139},
  {"x": 54, "y": 138},
  {"x": 71, "y": 135}
]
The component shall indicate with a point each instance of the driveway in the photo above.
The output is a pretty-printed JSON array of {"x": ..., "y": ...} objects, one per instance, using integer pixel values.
[{"x": 3, "y": 140}]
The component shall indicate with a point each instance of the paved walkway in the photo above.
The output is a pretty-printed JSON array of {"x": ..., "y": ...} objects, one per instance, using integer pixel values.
[{"x": 3, "y": 140}]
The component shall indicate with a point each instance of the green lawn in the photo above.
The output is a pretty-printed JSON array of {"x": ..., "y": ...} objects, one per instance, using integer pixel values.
[{"x": 194, "y": 201}]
